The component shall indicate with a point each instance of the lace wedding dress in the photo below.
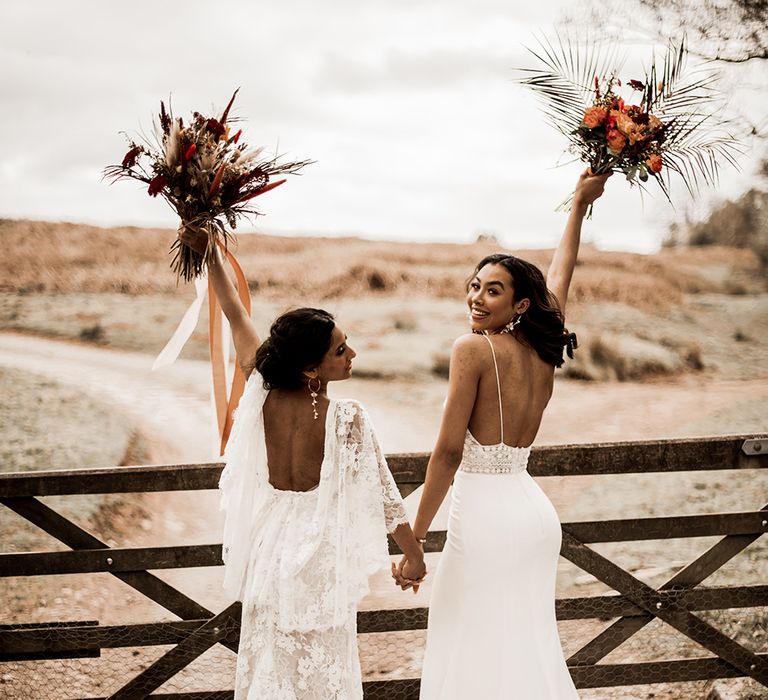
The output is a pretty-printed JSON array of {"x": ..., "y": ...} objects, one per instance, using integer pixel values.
[
  {"x": 492, "y": 631},
  {"x": 300, "y": 560}
]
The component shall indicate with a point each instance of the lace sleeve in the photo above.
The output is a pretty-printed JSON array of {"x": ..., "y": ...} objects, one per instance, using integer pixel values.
[
  {"x": 368, "y": 464},
  {"x": 394, "y": 509}
]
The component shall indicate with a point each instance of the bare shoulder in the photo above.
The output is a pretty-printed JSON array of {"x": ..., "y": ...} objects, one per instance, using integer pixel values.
[
  {"x": 468, "y": 343},
  {"x": 467, "y": 349}
]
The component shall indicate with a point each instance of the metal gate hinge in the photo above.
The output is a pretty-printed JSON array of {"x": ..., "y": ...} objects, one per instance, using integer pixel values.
[{"x": 755, "y": 447}]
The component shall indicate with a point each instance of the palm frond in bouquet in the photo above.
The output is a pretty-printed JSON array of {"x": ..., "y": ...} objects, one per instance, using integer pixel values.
[
  {"x": 670, "y": 118},
  {"x": 207, "y": 174}
]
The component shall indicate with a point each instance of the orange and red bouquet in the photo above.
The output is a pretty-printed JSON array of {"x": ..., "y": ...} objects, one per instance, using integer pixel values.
[
  {"x": 205, "y": 171},
  {"x": 668, "y": 122},
  {"x": 627, "y": 138}
]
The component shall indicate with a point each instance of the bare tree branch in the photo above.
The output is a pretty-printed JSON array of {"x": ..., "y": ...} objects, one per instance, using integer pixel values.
[{"x": 727, "y": 31}]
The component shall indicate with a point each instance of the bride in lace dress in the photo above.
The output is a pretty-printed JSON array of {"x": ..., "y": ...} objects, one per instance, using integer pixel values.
[
  {"x": 492, "y": 630},
  {"x": 309, "y": 501}
]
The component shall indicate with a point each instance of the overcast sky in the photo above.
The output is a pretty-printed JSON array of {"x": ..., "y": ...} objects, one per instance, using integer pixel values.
[{"x": 409, "y": 108}]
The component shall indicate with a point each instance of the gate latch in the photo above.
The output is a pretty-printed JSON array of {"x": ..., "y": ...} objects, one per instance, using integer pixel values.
[{"x": 755, "y": 447}]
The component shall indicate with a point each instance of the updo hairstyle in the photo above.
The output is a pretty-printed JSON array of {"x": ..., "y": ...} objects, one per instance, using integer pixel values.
[
  {"x": 542, "y": 325},
  {"x": 298, "y": 340}
]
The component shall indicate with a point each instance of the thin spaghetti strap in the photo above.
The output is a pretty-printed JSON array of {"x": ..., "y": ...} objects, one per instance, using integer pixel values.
[{"x": 498, "y": 387}]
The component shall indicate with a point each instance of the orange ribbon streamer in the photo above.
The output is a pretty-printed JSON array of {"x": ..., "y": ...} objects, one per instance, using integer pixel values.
[{"x": 225, "y": 404}]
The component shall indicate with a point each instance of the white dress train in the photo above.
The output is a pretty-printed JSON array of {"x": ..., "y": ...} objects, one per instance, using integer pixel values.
[{"x": 492, "y": 631}]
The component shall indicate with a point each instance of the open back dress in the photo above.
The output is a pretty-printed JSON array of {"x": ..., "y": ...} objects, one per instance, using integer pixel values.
[
  {"x": 300, "y": 560},
  {"x": 492, "y": 631}
]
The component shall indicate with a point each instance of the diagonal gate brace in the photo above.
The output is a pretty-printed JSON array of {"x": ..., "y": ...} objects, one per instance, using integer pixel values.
[
  {"x": 218, "y": 628},
  {"x": 684, "y": 621},
  {"x": 75, "y": 537},
  {"x": 690, "y": 576}
]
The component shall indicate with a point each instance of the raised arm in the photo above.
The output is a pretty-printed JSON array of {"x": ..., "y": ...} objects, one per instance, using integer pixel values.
[
  {"x": 588, "y": 189},
  {"x": 244, "y": 334}
]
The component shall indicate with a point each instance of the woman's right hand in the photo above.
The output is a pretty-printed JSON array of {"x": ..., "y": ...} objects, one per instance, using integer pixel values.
[
  {"x": 409, "y": 574},
  {"x": 589, "y": 188},
  {"x": 414, "y": 571},
  {"x": 194, "y": 237}
]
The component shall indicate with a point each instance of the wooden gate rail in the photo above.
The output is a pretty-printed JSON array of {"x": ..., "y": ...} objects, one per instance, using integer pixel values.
[
  {"x": 70, "y": 637},
  {"x": 116, "y": 559},
  {"x": 634, "y": 606},
  {"x": 642, "y": 457}
]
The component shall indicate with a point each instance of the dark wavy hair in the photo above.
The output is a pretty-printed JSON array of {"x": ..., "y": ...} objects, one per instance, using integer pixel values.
[
  {"x": 542, "y": 325},
  {"x": 298, "y": 340}
]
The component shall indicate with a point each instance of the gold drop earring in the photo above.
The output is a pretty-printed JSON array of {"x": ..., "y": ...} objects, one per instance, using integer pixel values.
[{"x": 313, "y": 393}]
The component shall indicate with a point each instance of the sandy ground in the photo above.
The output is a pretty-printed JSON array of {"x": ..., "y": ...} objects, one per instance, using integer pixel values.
[{"x": 171, "y": 408}]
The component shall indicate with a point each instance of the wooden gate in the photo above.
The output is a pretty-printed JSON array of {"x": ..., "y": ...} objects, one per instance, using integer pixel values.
[{"x": 634, "y": 605}]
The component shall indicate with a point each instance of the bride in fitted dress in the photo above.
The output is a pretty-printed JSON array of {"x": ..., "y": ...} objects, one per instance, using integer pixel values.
[{"x": 492, "y": 629}]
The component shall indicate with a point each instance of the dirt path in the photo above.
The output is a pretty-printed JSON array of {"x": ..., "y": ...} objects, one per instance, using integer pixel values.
[{"x": 171, "y": 406}]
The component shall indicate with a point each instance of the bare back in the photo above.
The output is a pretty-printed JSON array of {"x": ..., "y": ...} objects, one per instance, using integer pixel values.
[
  {"x": 526, "y": 383},
  {"x": 295, "y": 440}
]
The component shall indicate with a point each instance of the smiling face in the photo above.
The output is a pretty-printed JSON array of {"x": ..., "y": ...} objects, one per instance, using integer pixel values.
[
  {"x": 491, "y": 299},
  {"x": 337, "y": 362}
]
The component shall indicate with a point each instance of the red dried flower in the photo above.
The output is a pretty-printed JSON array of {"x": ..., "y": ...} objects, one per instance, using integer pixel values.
[
  {"x": 636, "y": 85},
  {"x": 190, "y": 152},
  {"x": 655, "y": 163},
  {"x": 263, "y": 189},
  {"x": 217, "y": 180},
  {"x": 642, "y": 118},
  {"x": 156, "y": 185},
  {"x": 229, "y": 106},
  {"x": 236, "y": 137},
  {"x": 216, "y": 127},
  {"x": 129, "y": 160}
]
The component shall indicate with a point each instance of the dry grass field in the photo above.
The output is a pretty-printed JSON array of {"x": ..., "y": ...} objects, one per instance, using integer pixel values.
[
  {"x": 49, "y": 257},
  {"x": 637, "y": 315}
]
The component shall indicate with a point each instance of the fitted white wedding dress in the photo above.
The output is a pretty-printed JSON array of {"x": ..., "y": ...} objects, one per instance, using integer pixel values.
[
  {"x": 300, "y": 560},
  {"x": 492, "y": 630}
]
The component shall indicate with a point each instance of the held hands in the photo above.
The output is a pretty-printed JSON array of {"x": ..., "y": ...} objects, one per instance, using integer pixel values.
[
  {"x": 409, "y": 574},
  {"x": 589, "y": 188}
]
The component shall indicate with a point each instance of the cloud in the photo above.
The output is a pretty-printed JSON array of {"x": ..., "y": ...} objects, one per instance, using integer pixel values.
[{"x": 439, "y": 69}]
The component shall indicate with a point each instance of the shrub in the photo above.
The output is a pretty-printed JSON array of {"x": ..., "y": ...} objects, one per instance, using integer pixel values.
[
  {"x": 742, "y": 224},
  {"x": 93, "y": 334},
  {"x": 440, "y": 364}
]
